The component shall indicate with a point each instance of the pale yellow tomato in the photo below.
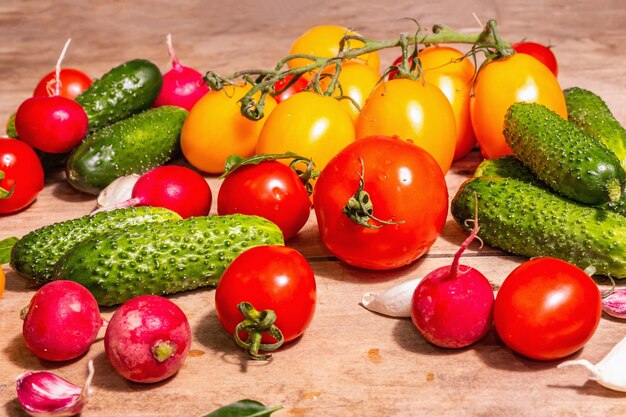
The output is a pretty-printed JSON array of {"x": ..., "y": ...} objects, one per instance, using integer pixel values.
[
  {"x": 216, "y": 129},
  {"x": 416, "y": 111},
  {"x": 323, "y": 41},
  {"x": 453, "y": 73},
  {"x": 309, "y": 124},
  {"x": 356, "y": 81}
]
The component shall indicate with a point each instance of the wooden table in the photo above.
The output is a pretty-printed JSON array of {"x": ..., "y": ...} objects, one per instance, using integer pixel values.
[{"x": 350, "y": 362}]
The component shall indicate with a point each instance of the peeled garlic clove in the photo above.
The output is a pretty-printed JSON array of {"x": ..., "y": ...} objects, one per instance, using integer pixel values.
[
  {"x": 610, "y": 371},
  {"x": 118, "y": 191},
  {"x": 395, "y": 302},
  {"x": 614, "y": 304},
  {"x": 44, "y": 394}
]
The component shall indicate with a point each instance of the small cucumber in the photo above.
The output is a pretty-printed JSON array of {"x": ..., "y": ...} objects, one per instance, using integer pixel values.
[
  {"x": 123, "y": 91},
  {"x": 531, "y": 221},
  {"x": 570, "y": 162},
  {"x": 35, "y": 254},
  {"x": 163, "y": 258},
  {"x": 130, "y": 146},
  {"x": 591, "y": 114}
]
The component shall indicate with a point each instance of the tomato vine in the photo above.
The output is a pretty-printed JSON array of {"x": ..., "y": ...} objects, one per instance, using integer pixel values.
[{"x": 263, "y": 81}]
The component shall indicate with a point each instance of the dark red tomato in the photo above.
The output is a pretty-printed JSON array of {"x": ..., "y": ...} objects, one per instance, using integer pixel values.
[
  {"x": 547, "y": 309},
  {"x": 73, "y": 83},
  {"x": 406, "y": 188},
  {"x": 269, "y": 189},
  {"x": 276, "y": 278},
  {"x": 283, "y": 93},
  {"x": 21, "y": 172},
  {"x": 540, "y": 52}
]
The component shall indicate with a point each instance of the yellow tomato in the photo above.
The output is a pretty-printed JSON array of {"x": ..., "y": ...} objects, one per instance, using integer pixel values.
[
  {"x": 323, "y": 41},
  {"x": 216, "y": 129},
  {"x": 503, "y": 82},
  {"x": 356, "y": 81},
  {"x": 416, "y": 111},
  {"x": 309, "y": 124},
  {"x": 2, "y": 281},
  {"x": 453, "y": 73}
]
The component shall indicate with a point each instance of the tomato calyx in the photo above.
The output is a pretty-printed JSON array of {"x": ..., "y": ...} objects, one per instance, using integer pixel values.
[
  {"x": 4, "y": 193},
  {"x": 255, "y": 324},
  {"x": 305, "y": 174},
  {"x": 360, "y": 208}
]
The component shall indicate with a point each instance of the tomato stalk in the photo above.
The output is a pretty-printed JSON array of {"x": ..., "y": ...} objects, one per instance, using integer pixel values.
[
  {"x": 4, "y": 193},
  {"x": 255, "y": 324},
  {"x": 488, "y": 40},
  {"x": 360, "y": 208}
]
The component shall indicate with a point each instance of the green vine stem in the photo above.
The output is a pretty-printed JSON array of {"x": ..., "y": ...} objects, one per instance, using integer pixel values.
[
  {"x": 255, "y": 324},
  {"x": 263, "y": 81}
]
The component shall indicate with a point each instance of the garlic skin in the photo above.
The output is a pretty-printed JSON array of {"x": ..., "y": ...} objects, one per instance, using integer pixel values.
[
  {"x": 395, "y": 302},
  {"x": 118, "y": 191},
  {"x": 610, "y": 371},
  {"x": 44, "y": 394}
]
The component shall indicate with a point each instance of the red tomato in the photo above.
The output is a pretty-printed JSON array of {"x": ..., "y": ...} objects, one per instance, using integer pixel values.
[
  {"x": 73, "y": 83},
  {"x": 271, "y": 190},
  {"x": 283, "y": 92},
  {"x": 547, "y": 309},
  {"x": 405, "y": 186},
  {"x": 21, "y": 172},
  {"x": 540, "y": 52},
  {"x": 277, "y": 278}
]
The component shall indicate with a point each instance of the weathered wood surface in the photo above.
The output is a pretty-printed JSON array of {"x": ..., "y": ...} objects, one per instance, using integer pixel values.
[{"x": 350, "y": 362}]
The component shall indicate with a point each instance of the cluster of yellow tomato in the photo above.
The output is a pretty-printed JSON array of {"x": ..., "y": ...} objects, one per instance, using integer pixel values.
[{"x": 444, "y": 111}]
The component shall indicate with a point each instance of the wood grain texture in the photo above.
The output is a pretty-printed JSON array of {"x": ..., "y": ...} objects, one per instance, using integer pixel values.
[{"x": 350, "y": 362}]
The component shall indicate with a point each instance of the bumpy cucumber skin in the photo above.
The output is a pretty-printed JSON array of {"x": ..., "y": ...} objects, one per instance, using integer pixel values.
[
  {"x": 125, "y": 90},
  {"x": 35, "y": 254},
  {"x": 131, "y": 146},
  {"x": 163, "y": 258},
  {"x": 531, "y": 221},
  {"x": 510, "y": 167},
  {"x": 570, "y": 162},
  {"x": 590, "y": 113}
]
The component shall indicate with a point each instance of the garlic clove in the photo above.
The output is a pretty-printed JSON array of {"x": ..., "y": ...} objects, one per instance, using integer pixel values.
[
  {"x": 118, "y": 191},
  {"x": 394, "y": 302},
  {"x": 614, "y": 304},
  {"x": 44, "y": 394},
  {"x": 610, "y": 371}
]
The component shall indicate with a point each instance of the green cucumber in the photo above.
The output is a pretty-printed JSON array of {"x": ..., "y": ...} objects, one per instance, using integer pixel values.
[
  {"x": 531, "y": 221},
  {"x": 130, "y": 146},
  {"x": 36, "y": 253},
  {"x": 561, "y": 155},
  {"x": 163, "y": 258},
  {"x": 507, "y": 167},
  {"x": 125, "y": 90},
  {"x": 591, "y": 114},
  {"x": 510, "y": 167}
]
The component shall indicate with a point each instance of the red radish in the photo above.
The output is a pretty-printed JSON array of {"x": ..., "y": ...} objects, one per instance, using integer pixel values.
[
  {"x": 53, "y": 124},
  {"x": 182, "y": 86},
  {"x": 452, "y": 306},
  {"x": 174, "y": 187},
  {"x": 62, "y": 321},
  {"x": 147, "y": 339}
]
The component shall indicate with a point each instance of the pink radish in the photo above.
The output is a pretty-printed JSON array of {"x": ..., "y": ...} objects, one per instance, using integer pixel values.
[
  {"x": 147, "y": 339},
  {"x": 61, "y": 322},
  {"x": 452, "y": 306},
  {"x": 174, "y": 187},
  {"x": 54, "y": 124},
  {"x": 182, "y": 86}
]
